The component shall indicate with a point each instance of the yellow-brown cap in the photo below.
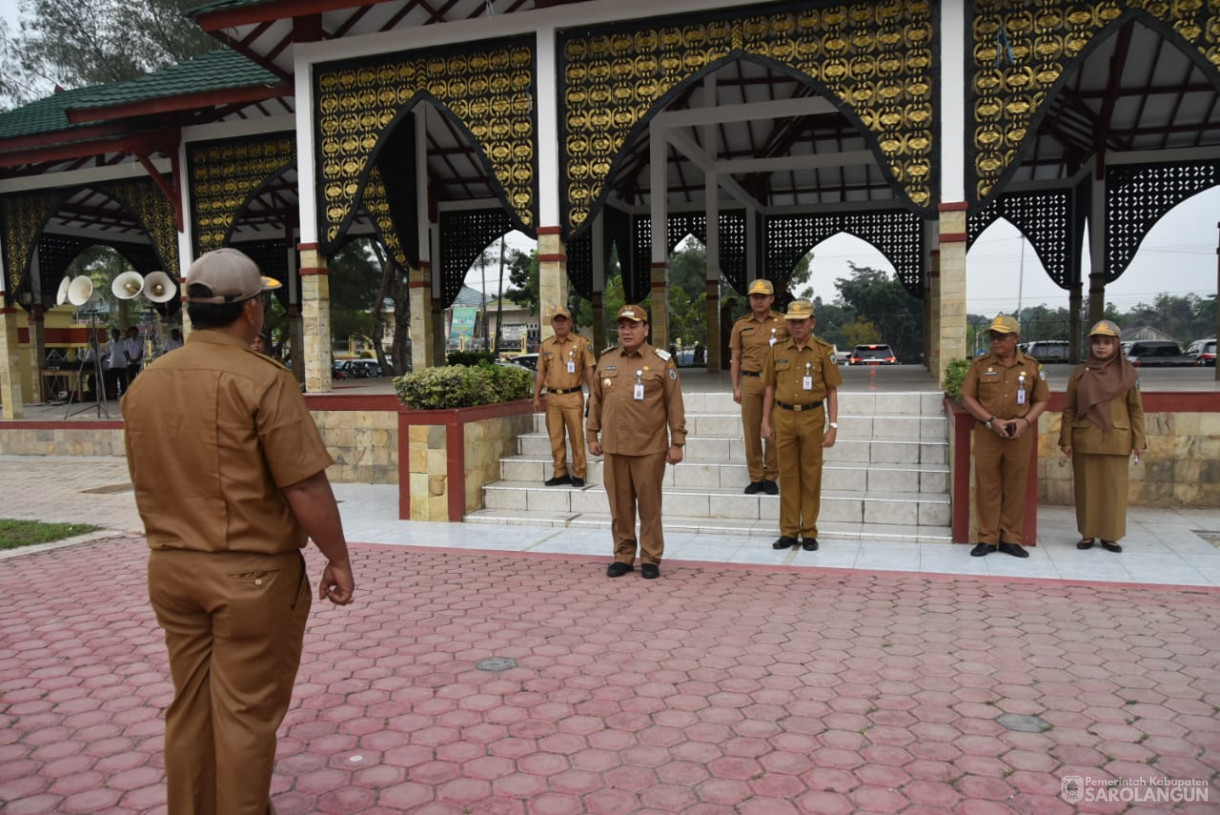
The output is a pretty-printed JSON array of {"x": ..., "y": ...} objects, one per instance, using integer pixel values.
[
  {"x": 633, "y": 313},
  {"x": 561, "y": 311},
  {"x": 799, "y": 310},
  {"x": 761, "y": 286},
  {"x": 1105, "y": 328},
  {"x": 1003, "y": 324}
]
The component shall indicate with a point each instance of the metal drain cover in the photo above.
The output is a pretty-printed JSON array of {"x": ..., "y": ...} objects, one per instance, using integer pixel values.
[
  {"x": 496, "y": 664},
  {"x": 1024, "y": 724}
]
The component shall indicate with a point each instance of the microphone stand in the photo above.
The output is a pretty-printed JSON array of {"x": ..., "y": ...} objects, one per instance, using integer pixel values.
[{"x": 99, "y": 385}]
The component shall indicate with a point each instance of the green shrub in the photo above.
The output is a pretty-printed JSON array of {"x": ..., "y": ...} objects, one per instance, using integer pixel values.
[
  {"x": 454, "y": 386},
  {"x": 470, "y": 358},
  {"x": 955, "y": 376}
]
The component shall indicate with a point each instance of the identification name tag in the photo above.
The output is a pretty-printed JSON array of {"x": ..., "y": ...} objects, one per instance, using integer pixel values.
[
  {"x": 639, "y": 391},
  {"x": 1021, "y": 396},
  {"x": 571, "y": 367},
  {"x": 807, "y": 383}
]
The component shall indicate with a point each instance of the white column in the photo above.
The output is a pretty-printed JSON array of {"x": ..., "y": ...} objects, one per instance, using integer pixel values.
[
  {"x": 307, "y": 204},
  {"x": 10, "y": 361},
  {"x": 659, "y": 205}
]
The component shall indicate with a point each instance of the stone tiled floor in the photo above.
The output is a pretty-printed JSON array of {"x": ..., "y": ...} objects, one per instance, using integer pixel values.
[{"x": 717, "y": 689}]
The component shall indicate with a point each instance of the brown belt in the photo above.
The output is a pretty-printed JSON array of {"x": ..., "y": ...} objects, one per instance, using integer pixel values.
[
  {"x": 561, "y": 391},
  {"x": 799, "y": 408},
  {"x": 751, "y": 373}
]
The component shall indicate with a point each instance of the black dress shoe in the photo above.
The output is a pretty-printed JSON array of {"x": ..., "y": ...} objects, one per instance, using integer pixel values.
[
  {"x": 981, "y": 549},
  {"x": 650, "y": 571},
  {"x": 1014, "y": 549},
  {"x": 1111, "y": 546},
  {"x": 1084, "y": 543},
  {"x": 810, "y": 544},
  {"x": 784, "y": 542},
  {"x": 754, "y": 488},
  {"x": 577, "y": 481},
  {"x": 770, "y": 488},
  {"x": 618, "y": 569},
  {"x": 557, "y": 481}
]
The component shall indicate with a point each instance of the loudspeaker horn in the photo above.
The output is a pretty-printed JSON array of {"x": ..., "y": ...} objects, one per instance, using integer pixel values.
[
  {"x": 159, "y": 287},
  {"x": 62, "y": 296},
  {"x": 127, "y": 286},
  {"x": 80, "y": 290}
]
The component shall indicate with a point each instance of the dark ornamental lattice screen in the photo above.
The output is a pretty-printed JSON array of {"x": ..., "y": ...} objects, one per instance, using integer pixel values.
[
  {"x": 487, "y": 88},
  {"x": 22, "y": 218},
  {"x": 464, "y": 236},
  {"x": 1045, "y": 218},
  {"x": 678, "y": 226},
  {"x": 875, "y": 59},
  {"x": 897, "y": 234},
  {"x": 616, "y": 233},
  {"x": 272, "y": 259},
  {"x": 223, "y": 177},
  {"x": 1047, "y": 37},
  {"x": 1137, "y": 196}
]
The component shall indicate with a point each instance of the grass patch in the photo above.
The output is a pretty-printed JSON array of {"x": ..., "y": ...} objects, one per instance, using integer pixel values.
[{"x": 14, "y": 534}]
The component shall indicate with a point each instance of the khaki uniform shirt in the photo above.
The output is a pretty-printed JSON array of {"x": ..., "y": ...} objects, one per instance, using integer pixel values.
[
  {"x": 787, "y": 367},
  {"x": 629, "y": 426},
  {"x": 212, "y": 435},
  {"x": 553, "y": 358},
  {"x": 997, "y": 387},
  {"x": 753, "y": 339},
  {"x": 1126, "y": 431}
]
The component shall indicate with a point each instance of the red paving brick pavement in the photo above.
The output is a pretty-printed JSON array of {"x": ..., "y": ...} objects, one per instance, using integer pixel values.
[{"x": 713, "y": 690}]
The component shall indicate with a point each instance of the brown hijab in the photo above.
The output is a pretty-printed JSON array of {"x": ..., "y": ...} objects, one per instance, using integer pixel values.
[{"x": 1098, "y": 381}]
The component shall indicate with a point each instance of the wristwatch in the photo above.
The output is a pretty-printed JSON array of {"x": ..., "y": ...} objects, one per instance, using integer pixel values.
[
  {"x": 988, "y": 422},
  {"x": 834, "y": 425}
]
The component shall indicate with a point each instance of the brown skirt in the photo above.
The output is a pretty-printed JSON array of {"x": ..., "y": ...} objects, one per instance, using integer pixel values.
[{"x": 1100, "y": 483}]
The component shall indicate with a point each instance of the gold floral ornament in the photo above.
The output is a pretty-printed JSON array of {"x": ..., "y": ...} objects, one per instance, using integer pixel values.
[{"x": 223, "y": 176}]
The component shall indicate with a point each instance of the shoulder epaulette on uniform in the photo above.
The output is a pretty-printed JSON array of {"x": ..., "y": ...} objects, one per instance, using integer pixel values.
[{"x": 662, "y": 354}]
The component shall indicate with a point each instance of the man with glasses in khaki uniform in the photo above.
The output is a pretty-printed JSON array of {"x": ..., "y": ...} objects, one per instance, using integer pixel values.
[
  {"x": 802, "y": 383},
  {"x": 752, "y": 338},
  {"x": 636, "y": 405},
  {"x": 565, "y": 362}
]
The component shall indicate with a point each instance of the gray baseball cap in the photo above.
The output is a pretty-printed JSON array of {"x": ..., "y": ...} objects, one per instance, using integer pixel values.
[{"x": 230, "y": 275}]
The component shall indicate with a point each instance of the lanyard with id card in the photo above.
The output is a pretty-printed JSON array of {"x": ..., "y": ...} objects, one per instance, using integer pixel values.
[
  {"x": 571, "y": 362},
  {"x": 639, "y": 386},
  {"x": 1021, "y": 389},
  {"x": 807, "y": 381}
]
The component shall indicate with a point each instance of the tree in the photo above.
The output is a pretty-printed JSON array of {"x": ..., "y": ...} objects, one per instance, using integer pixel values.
[
  {"x": 860, "y": 332},
  {"x": 879, "y": 298},
  {"x": 93, "y": 42},
  {"x": 355, "y": 281},
  {"x": 523, "y": 279}
]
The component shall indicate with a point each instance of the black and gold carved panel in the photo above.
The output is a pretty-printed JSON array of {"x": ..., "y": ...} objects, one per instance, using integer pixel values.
[
  {"x": 377, "y": 205},
  {"x": 144, "y": 199},
  {"x": 22, "y": 218},
  {"x": 1036, "y": 42},
  {"x": 487, "y": 88},
  {"x": 223, "y": 176},
  {"x": 876, "y": 59}
]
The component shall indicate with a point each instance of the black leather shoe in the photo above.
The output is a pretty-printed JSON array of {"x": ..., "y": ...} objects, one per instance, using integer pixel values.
[
  {"x": 784, "y": 542},
  {"x": 618, "y": 569},
  {"x": 810, "y": 544},
  {"x": 577, "y": 481},
  {"x": 650, "y": 571},
  {"x": 1111, "y": 546},
  {"x": 1014, "y": 549},
  {"x": 770, "y": 488},
  {"x": 981, "y": 549},
  {"x": 754, "y": 488},
  {"x": 557, "y": 481},
  {"x": 1084, "y": 543}
]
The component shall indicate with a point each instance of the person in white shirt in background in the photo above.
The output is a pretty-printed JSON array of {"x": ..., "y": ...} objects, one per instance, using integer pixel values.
[
  {"x": 116, "y": 365},
  {"x": 174, "y": 342},
  {"x": 134, "y": 350}
]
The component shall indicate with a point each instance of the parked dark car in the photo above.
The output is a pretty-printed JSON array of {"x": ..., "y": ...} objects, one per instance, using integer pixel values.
[
  {"x": 1047, "y": 350},
  {"x": 872, "y": 354},
  {"x": 356, "y": 369},
  {"x": 1204, "y": 351},
  {"x": 1159, "y": 354},
  {"x": 525, "y": 361}
]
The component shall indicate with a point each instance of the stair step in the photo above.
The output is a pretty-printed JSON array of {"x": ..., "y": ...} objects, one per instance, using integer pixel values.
[
  {"x": 759, "y": 531},
  {"x": 913, "y": 509},
  {"x": 847, "y": 476}
]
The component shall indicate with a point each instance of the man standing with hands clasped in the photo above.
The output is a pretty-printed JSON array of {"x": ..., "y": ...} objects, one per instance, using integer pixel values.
[
  {"x": 802, "y": 382},
  {"x": 636, "y": 404},
  {"x": 230, "y": 480},
  {"x": 753, "y": 337},
  {"x": 565, "y": 363},
  {"x": 1006, "y": 392}
]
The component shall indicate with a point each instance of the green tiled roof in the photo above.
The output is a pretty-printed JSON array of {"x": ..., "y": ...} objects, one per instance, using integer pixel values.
[
  {"x": 222, "y": 5},
  {"x": 217, "y": 70}
]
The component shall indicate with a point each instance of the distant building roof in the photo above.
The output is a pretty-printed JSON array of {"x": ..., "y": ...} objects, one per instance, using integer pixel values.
[
  {"x": 1145, "y": 332},
  {"x": 468, "y": 297}
]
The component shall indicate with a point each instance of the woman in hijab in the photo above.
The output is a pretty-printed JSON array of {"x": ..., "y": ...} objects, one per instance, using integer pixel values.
[{"x": 1103, "y": 423}]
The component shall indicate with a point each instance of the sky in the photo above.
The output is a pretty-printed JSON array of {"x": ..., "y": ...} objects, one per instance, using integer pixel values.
[{"x": 1179, "y": 257}]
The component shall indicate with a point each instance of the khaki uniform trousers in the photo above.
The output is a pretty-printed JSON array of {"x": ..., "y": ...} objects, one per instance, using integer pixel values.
[
  {"x": 1001, "y": 467},
  {"x": 631, "y": 482},
  {"x": 564, "y": 410},
  {"x": 234, "y": 624},
  {"x": 763, "y": 467},
  {"x": 798, "y": 442}
]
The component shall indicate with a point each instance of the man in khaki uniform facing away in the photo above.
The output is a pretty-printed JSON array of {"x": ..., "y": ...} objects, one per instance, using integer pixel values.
[
  {"x": 1006, "y": 392},
  {"x": 230, "y": 480},
  {"x": 802, "y": 383},
  {"x": 565, "y": 362},
  {"x": 752, "y": 338},
  {"x": 635, "y": 403}
]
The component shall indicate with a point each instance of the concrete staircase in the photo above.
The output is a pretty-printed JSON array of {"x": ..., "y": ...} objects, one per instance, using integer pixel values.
[{"x": 887, "y": 477}]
